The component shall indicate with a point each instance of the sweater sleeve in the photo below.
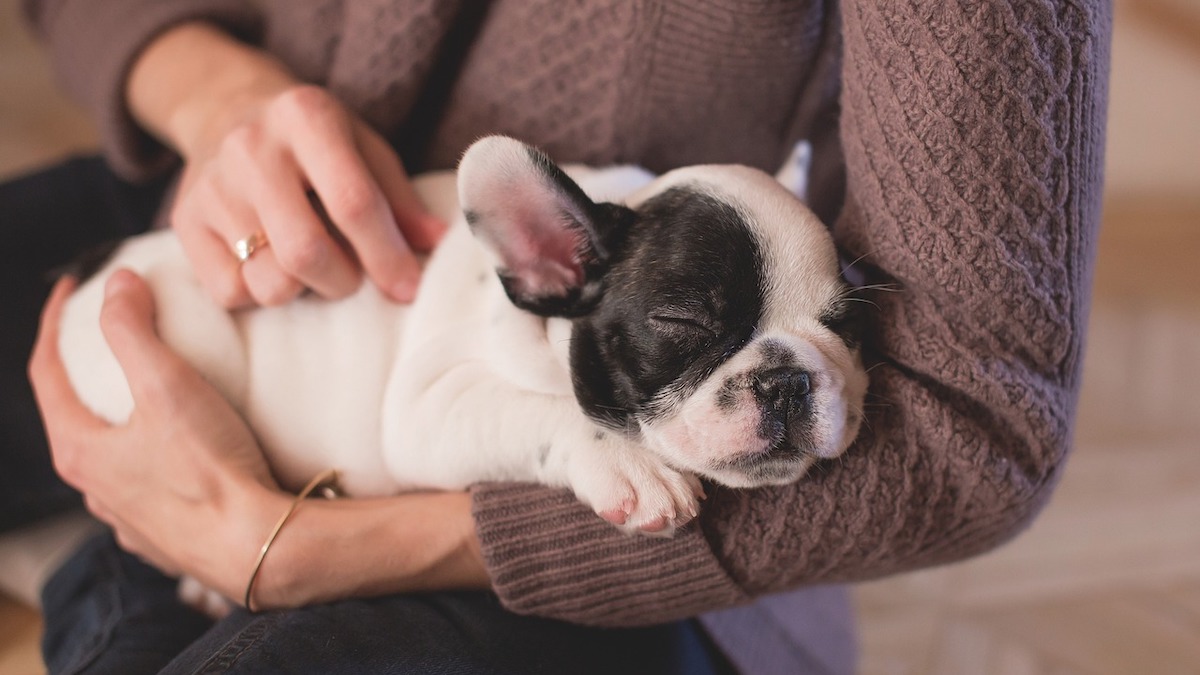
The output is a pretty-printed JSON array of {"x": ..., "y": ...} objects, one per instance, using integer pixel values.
[
  {"x": 93, "y": 45},
  {"x": 973, "y": 139}
]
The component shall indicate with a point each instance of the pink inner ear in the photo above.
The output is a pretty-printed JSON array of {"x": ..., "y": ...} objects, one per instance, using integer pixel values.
[
  {"x": 537, "y": 242},
  {"x": 543, "y": 261},
  {"x": 534, "y": 225}
]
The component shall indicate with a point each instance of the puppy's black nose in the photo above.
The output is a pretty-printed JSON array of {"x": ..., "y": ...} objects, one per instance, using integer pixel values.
[
  {"x": 781, "y": 388},
  {"x": 783, "y": 397}
]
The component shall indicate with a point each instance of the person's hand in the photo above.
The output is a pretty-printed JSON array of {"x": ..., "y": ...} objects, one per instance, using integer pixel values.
[
  {"x": 258, "y": 145},
  {"x": 183, "y": 483}
]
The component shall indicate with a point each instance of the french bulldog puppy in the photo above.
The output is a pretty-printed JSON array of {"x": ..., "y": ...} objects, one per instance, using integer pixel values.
[{"x": 603, "y": 330}]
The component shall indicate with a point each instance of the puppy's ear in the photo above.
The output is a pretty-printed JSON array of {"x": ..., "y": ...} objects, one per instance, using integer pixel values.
[{"x": 551, "y": 244}]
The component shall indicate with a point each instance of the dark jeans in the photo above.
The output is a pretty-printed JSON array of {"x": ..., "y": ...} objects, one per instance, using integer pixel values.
[{"x": 106, "y": 612}]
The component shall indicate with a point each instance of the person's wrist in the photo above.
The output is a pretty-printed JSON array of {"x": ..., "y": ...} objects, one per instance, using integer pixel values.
[
  {"x": 193, "y": 83},
  {"x": 330, "y": 550},
  {"x": 296, "y": 565},
  {"x": 465, "y": 567},
  {"x": 198, "y": 125},
  {"x": 253, "y": 513}
]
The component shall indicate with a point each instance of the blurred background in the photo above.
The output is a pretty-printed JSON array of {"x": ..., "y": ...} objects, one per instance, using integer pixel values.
[{"x": 1108, "y": 579}]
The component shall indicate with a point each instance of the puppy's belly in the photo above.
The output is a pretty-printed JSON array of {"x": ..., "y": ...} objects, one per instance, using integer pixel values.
[
  {"x": 194, "y": 326},
  {"x": 315, "y": 378},
  {"x": 308, "y": 377}
]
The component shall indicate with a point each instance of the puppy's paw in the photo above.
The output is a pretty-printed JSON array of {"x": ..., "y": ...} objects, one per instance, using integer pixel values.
[{"x": 633, "y": 489}]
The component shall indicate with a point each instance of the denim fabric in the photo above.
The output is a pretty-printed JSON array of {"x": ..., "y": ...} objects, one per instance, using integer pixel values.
[{"x": 106, "y": 612}]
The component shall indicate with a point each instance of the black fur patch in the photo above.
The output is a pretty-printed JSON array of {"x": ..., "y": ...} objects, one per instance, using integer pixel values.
[
  {"x": 684, "y": 291},
  {"x": 600, "y": 227}
]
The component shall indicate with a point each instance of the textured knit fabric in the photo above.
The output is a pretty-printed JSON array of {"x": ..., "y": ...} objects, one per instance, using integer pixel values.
[{"x": 963, "y": 168}]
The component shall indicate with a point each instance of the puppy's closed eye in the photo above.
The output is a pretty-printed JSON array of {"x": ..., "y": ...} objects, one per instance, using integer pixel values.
[{"x": 683, "y": 323}]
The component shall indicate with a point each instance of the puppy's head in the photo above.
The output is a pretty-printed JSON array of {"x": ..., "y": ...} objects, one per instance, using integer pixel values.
[{"x": 709, "y": 315}]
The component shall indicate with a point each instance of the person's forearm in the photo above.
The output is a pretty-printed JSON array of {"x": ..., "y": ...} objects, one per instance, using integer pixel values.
[
  {"x": 94, "y": 45},
  {"x": 193, "y": 80},
  {"x": 982, "y": 208},
  {"x": 344, "y": 548}
]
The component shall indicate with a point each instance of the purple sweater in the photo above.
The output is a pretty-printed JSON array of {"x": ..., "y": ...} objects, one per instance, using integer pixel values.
[{"x": 958, "y": 156}]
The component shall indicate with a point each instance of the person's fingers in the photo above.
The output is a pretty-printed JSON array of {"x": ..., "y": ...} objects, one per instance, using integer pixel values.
[
  {"x": 228, "y": 203},
  {"x": 65, "y": 417},
  {"x": 196, "y": 218},
  {"x": 49, "y": 378},
  {"x": 216, "y": 267},
  {"x": 330, "y": 157},
  {"x": 420, "y": 228},
  {"x": 45, "y": 349},
  {"x": 300, "y": 247},
  {"x": 127, "y": 318},
  {"x": 268, "y": 284}
]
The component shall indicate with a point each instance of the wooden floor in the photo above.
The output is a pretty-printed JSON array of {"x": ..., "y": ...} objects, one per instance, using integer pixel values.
[{"x": 1107, "y": 581}]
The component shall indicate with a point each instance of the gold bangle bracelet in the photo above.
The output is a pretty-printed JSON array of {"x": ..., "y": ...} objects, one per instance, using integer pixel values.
[{"x": 327, "y": 477}]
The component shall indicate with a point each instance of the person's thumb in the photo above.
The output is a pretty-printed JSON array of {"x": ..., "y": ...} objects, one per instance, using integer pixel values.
[{"x": 127, "y": 319}]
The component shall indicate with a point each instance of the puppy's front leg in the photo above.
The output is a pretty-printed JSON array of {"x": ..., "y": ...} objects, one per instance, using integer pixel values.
[
  {"x": 469, "y": 425},
  {"x": 627, "y": 484}
]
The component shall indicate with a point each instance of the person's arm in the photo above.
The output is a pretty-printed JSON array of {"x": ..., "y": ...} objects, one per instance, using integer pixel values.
[
  {"x": 990, "y": 237},
  {"x": 184, "y": 484},
  {"x": 93, "y": 46},
  {"x": 256, "y": 143},
  {"x": 974, "y": 147},
  {"x": 331, "y": 550}
]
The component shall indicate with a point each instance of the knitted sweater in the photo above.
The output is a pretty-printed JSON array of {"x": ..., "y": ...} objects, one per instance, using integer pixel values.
[{"x": 958, "y": 157}]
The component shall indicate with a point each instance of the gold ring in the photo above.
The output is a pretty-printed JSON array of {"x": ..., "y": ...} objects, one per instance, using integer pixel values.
[{"x": 245, "y": 247}]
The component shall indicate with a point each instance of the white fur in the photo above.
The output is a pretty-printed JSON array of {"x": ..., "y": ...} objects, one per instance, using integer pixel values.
[
  {"x": 461, "y": 386},
  {"x": 801, "y": 268}
]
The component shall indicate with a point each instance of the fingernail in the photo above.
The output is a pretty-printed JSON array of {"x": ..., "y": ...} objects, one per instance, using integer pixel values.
[
  {"x": 117, "y": 283},
  {"x": 405, "y": 289}
]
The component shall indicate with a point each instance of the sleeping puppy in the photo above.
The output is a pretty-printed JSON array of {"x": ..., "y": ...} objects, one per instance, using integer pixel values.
[{"x": 602, "y": 330}]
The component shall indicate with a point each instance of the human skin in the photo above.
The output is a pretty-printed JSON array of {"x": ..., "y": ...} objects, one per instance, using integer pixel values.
[
  {"x": 184, "y": 485},
  {"x": 255, "y": 141}
]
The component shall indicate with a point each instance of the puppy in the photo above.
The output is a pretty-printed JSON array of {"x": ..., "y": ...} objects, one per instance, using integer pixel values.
[{"x": 602, "y": 330}]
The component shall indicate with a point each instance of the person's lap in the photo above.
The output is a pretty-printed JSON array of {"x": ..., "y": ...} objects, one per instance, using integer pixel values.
[{"x": 107, "y": 612}]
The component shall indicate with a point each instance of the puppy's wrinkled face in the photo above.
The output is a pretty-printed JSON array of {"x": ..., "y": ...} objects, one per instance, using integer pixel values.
[
  {"x": 724, "y": 333},
  {"x": 709, "y": 315}
]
